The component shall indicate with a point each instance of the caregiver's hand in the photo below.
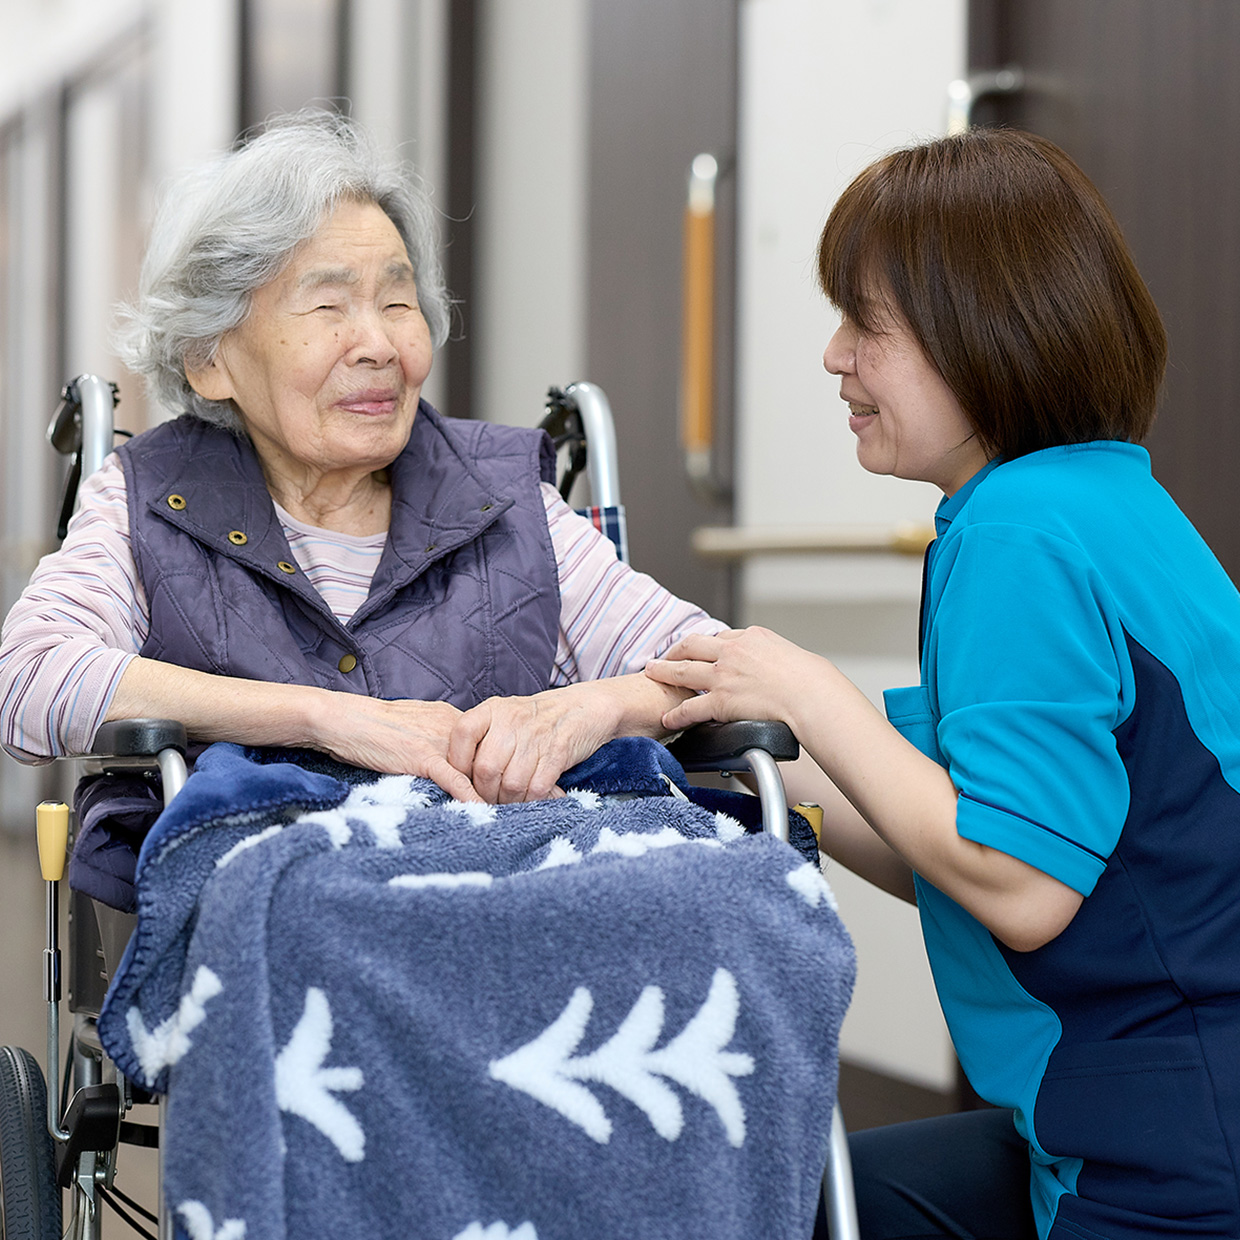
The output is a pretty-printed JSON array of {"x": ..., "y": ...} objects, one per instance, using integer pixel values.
[{"x": 737, "y": 674}]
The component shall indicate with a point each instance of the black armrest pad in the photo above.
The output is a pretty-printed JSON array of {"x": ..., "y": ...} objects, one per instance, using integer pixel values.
[
  {"x": 130, "y": 738},
  {"x": 720, "y": 746}
]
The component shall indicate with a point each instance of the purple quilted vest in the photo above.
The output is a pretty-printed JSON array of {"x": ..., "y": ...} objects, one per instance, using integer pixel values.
[{"x": 465, "y": 602}]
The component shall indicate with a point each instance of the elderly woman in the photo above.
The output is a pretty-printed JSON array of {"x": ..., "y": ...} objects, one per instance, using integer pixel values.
[
  {"x": 1059, "y": 794},
  {"x": 310, "y": 555}
]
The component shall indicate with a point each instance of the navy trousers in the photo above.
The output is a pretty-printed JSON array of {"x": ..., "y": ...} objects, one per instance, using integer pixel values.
[{"x": 965, "y": 1176}]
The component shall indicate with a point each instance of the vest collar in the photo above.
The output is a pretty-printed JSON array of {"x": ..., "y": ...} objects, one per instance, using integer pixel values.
[{"x": 215, "y": 492}]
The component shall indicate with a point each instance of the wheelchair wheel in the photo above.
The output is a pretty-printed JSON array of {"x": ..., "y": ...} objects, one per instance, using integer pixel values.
[{"x": 29, "y": 1196}]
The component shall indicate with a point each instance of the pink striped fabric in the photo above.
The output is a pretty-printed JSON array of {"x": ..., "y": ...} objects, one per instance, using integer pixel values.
[{"x": 70, "y": 636}]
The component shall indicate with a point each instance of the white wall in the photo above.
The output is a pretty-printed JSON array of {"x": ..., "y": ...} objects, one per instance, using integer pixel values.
[
  {"x": 827, "y": 86},
  {"x": 44, "y": 43},
  {"x": 531, "y": 214},
  {"x": 194, "y": 81}
]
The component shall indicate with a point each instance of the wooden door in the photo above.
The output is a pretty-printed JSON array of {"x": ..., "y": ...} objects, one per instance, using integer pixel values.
[{"x": 1145, "y": 96}]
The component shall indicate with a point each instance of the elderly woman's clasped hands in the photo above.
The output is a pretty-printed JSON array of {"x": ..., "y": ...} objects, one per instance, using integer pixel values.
[{"x": 516, "y": 748}]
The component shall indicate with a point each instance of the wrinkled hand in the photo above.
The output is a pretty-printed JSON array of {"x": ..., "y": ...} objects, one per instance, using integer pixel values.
[
  {"x": 516, "y": 748},
  {"x": 736, "y": 674},
  {"x": 404, "y": 737}
]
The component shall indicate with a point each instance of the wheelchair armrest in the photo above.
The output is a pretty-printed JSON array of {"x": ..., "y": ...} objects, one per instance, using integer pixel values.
[
  {"x": 722, "y": 746},
  {"x": 132, "y": 738},
  {"x": 139, "y": 744}
]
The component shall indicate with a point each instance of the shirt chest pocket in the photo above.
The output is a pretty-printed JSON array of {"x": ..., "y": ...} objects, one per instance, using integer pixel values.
[{"x": 908, "y": 711}]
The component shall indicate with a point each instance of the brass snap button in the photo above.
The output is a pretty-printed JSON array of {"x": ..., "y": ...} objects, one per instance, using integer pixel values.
[
  {"x": 237, "y": 538},
  {"x": 347, "y": 663},
  {"x": 285, "y": 567},
  {"x": 431, "y": 548},
  {"x": 487, "y": 507},
  {"x": 176, "y": 501}
]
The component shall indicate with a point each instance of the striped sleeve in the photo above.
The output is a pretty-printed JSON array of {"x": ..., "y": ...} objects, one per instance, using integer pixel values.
[
  {"x": 84, "y": 616},
  {"x": 74, "y": 630},
  {"x": 612, "y": 618}
]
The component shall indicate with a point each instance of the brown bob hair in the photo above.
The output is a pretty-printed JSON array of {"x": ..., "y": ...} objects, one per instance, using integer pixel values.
[{"x": 1015, "y": 279}]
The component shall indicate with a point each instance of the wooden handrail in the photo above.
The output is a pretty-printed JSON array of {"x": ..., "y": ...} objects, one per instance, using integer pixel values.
[
  {"x": 697, "y": 364},
  {"x": 731, "y": 542}
]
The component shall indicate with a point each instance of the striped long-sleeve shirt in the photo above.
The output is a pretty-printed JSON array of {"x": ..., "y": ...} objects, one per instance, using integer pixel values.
[{"x": 84, "y": 616}]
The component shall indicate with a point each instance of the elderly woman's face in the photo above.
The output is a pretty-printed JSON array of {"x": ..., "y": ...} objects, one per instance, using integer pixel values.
[{"x": 327, "y": 368}]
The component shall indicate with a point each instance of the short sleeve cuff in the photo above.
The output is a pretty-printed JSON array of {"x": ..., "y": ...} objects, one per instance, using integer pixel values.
[{"x": 1029, "y": 842}]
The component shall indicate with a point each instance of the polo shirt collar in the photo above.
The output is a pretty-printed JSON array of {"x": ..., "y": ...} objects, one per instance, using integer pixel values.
[{"x": 950, "y": 505}]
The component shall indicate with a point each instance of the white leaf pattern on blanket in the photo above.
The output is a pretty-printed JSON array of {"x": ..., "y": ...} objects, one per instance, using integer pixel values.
[
  {"x": 418, "y": 882},
  {"x": 166, "y": 1044},
  {"x": 201, "y": 1226},
  {"x": 560, "y": 851},
  {"x": 304, "y": 1087},
  {"x": 563, "y": 851},
  {"x": 478, "y": 812},
  {"x": 638, "y": 843},
  {"x": 627, "y": 1062},
  {"x": 497, "y": 1231},
  {"x": 380, "y": 807},
  {"x": 808, "y": 882},
  {"x": 250, "y": 841}
]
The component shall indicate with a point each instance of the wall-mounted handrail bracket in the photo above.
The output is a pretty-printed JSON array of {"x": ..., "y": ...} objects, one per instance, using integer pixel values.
[{"x": 963, "y": 94}]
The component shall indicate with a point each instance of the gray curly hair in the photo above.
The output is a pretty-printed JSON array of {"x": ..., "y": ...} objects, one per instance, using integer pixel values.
[{"x": 226, "y": 229}]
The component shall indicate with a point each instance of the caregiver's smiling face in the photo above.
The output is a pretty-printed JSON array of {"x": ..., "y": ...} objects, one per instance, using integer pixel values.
[{"x": 907, "y": 421}]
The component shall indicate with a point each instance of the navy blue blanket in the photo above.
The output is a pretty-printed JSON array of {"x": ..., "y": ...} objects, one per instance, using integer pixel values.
[{"x": 379, "y": 1012}]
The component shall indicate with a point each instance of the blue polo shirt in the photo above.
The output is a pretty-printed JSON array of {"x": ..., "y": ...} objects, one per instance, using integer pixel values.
[{"x": 1081, "y": 684}]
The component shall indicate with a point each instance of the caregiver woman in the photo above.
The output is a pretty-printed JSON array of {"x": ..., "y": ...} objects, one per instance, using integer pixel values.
[{"x": 1059, "y": 795}]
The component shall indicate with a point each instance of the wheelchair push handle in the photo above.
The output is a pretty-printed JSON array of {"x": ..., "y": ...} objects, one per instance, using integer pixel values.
[{"x": 82, "y": 429}]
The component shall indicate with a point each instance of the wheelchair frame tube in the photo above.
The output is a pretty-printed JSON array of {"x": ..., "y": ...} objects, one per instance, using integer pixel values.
[
  {"x": 95, "y": 397},
  {"x": 602, "y": 466},
  {"x": 770, "y": 792},
  {"x": 837, "y": 1184},
  {"x": 51, "y": 993},
  {"x": 172, "y": 772}
]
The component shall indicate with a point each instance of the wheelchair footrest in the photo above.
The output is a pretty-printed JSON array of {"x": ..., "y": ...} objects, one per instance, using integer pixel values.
[{"x": 93, "y": 1123}]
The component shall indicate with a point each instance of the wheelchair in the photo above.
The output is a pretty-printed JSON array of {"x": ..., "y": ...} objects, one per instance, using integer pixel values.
[{"x": 62, "y": 1131}]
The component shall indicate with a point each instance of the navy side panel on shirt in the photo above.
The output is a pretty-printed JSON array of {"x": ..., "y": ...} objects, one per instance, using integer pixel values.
[{"x": 1144, "y": 1076}]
